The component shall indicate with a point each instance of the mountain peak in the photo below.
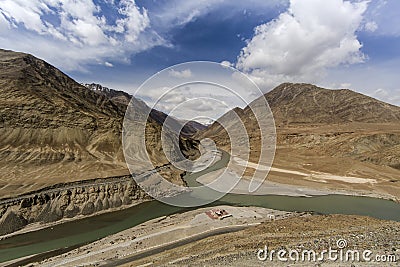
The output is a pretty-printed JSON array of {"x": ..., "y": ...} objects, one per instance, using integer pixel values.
[
  {"x": 8, "y": 54},
  {"x": 307, "y": 103},
  {"x": 118, "y": 97}
]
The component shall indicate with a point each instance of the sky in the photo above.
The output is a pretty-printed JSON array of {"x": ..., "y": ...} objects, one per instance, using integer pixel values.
[{"x": 121, "y": 43}]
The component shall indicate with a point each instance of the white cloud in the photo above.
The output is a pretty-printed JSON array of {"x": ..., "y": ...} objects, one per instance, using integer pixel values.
[
  {"x": 303, "y": 42},
  {"x": 389, "y": 96},
  {"x": 385, "y": 15},
  {"x": 135, "y": 20},
  {"x": 24, "y": 12},
  {"x": 187, "y": 102},
  {"x": 176, "y": 13},
  {"x": 180, "y": 74},
  {"x": 74, "y": 33},
  {"x": 4, "y": 25},
  {"x": 188, "y": 107},
  {"x": 108, "y": 64},
  {"x": 371, "y": 26},
  {"x": 381, "y": 92},
  {"x": 345, "y": 85},
  {"x": 226, "y": 63}
]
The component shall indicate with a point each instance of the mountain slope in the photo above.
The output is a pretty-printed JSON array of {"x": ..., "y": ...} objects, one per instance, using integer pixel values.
[
  {"x": 122, "y": 98},
  {"x": 115, "y": 96},
  {"x": 337, "y": 132},
  {"x": 55, "y": 130},
  {"x": 305, "y": 103}
]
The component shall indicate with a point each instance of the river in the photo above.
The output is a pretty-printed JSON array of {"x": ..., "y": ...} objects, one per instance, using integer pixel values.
[{"x": 86, "y": 230}]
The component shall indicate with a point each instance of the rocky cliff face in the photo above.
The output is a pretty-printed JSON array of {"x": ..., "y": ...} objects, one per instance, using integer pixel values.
[
  {"x": 115, "y": 95},
  {"x": 69, "y": 201}
]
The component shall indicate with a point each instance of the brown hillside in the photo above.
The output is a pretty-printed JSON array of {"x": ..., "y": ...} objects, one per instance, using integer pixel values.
[
  {"x": 306, "y": 103},
  {"x": 339, "y": 132},
  {"x": 55, "y": 130}
]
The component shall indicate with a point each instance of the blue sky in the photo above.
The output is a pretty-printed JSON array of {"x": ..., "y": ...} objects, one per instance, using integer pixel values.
[{"x": 331, "y": 43}]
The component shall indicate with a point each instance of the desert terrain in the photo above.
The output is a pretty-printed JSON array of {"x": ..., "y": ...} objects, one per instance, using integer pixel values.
[
  {"x": 297, "y": 232},
  {"x": 61, "y": 152},
  {"x": 325, "y": 140}
]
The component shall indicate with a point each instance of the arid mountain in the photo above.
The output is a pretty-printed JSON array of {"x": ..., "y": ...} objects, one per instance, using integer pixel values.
[
  {"x": 122, "y": 98},
  {"x": 196, "y": 125},
  {"x": 338, "y": 132},
  {"x": 306, "y": 103},
  {"x": 115, "y": 96},
  {"x": 55, "y": 130}
]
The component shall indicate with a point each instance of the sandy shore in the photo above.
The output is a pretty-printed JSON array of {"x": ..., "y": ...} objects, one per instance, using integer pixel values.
[
  {"x": 275, "y": 188},
  {"x": 165, "y": 231},
  {"x": 218, "y": 180}
]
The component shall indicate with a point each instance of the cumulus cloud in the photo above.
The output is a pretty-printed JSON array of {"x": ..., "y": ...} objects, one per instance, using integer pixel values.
[
  {"x": 76, "y": 29},
  {"x": 191, "y": 107},
  {"x": 345, "y": 85},
  {"x": 303, "y": 42},
  {"x": 73, "y": 34},
  {"x": 180, "y": 74}
]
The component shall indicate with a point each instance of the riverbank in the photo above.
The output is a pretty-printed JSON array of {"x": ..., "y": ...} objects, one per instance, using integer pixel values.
[
  {"x": 301, "y": 233},
  {"x": 90, "y": 229},
  {"x": 156, "y": 234},
  {"x": 288, "y": 182},
  {"x": 40, "y": 226},
  {"x": 276, "y": 188},
  {"x": 212, "y": 162}
]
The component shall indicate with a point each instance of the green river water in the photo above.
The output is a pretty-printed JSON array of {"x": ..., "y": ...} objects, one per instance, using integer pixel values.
[{"x": 82, "y": 231}]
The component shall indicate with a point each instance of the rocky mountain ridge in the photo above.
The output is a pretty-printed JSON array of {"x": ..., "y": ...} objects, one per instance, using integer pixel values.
[
  {"x": 188, "y": 128},
  {"x": 339, "y": 133},
  {"x": 55, "y": 132},
  {"x": 294, "y": 103},
  {"x": 68, "y": 201}
]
